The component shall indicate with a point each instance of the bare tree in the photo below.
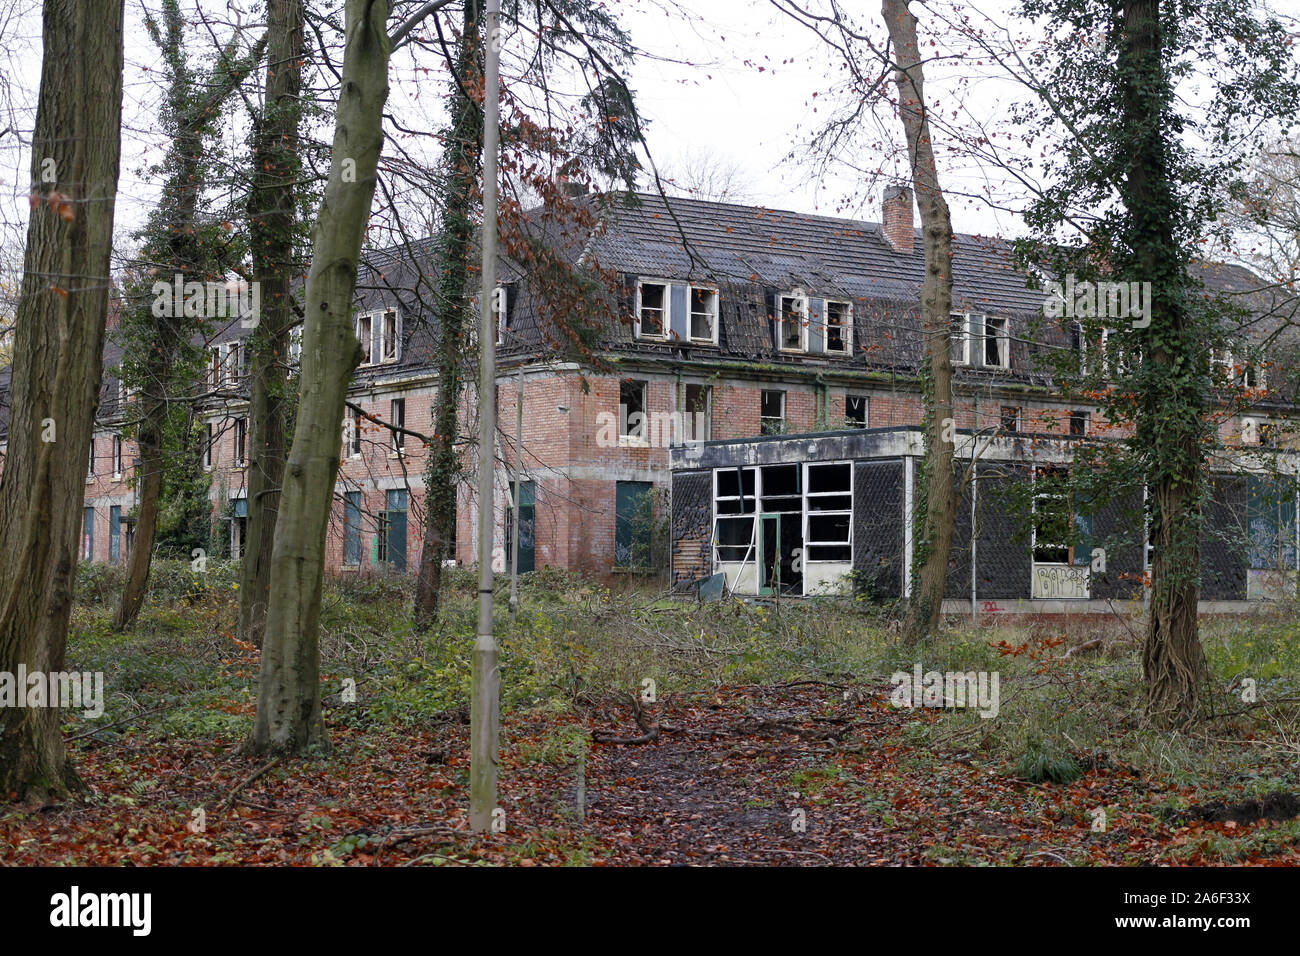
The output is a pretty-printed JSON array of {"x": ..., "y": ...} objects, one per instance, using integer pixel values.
[{"x": 58, "y": 356}]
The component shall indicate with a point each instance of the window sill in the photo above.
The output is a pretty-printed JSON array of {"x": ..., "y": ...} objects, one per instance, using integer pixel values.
[
  {"x": 349, "y": 567},
  {"x": 117, "y": 476},
  {"x": 709, "y": 342},
  {"x": 622, "y": 570},
  {"x": 631, "y": 441}
]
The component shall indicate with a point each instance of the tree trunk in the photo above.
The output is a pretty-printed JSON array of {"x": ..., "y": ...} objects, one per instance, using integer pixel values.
[
  {"x": 57, "y": 370},
  {"x": 288, "y": 700},
  {"x": 271, "y": 204},
  {"x": 159, "y": 342},
  {"x": 936, "y": 509},
  {"x": 464, "y": 152},
  {"x": 1170, "y": 420},
  {"x": 148, "y": 477}
]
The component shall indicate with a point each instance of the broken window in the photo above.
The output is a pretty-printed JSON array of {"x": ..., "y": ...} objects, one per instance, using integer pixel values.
[
  {"x": 697, "y": 424},
  {"x": 829, "y": 512},
  {"x": 1079, "y": 424},
  {"x": 389, "y": 336},
  {"x": 959, "y": 339},
  {"x": 634, "y": 521},
  {"x": 208, "y": 445},
  {"x": 241, "y": 440},
  {"x": 704, "y": 314},
  {"x": 353, "y": 434},
  {"x": 734, "y": 506},
  {"x": 839, "y": 327},
  {"x": 652, "y": 310},
  {"x": 117, "y": 456},
  {"x": 1271, "y": 516},
  {"x": 792, "y": 322},
  {"x": 1052, "y": 524},
  {"x": 501, "y": 308},
  {"x": 90, "y": 465},
  {"x": 1079, "y": 346},
  {"x": 855, "y": 411},
  {"x": 398, "y": 417},
  {"x": 997, "y": 342},
  {"x": 771, "y": 415},
  {"x": 631, "y": 409},
  {"x": 1011, "y": 419},
  {"x": 214, "y": 367},
  {"x": 365, "y": 337}
]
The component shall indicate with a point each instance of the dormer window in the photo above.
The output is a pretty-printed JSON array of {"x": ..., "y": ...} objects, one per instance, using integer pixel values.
[
  {"x": 388, "y": 337},
  {"x": 652, "y": 316},
  {"x": 500, "y": 307},
  {"x": 839, "y": 327},
  {"x": 997, "y": 342},
  {"x": 704, "y": 314},
  {"x": 366, "y": 338},
  {"x": 792, "y": 322},
  {"x": 959, "y": 339}
]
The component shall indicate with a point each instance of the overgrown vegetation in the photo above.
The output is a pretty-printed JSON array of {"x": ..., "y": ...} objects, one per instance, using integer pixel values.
[{"x": 929, "y": 784}]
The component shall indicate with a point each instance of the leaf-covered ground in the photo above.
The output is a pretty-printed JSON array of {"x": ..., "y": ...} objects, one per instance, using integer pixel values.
[
  {"x": 773, "y": 741},
  {"x": 801, "y": 775}
]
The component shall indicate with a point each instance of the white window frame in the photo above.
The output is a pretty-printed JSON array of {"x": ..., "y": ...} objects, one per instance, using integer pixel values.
[
  {"x": 368, "y": 342},
  {"x": 1068, "y": 545},
  {"x": 964, "y": 332},
  {"x": 295, "y": 346},
  {"x": 352, "y": 433},
  {"x": 216, "y": 367},
  {"x": 90, "y": 463},
  {"x": 666, "y": 318},
  {"x": 808, "y": 512},
  {"x": 241, "y": 454},
  {"x": 390, "y": 348},
  {"x": 396, "y": 439},
  {"x": 208, "y": 440},
  {"x": 715, "y": 301},
  {"x": 1003, "y": 340},
  {"x": 846, "y": 327},
  {"x": 118, "y": 453},
  {"x": 797, "y": 295},
  {"x": 500, "y": 307},
  {"x": 752, "y": 550}
]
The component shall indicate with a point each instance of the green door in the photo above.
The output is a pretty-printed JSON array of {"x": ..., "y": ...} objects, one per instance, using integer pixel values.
[{"x": 527, "y": 525}]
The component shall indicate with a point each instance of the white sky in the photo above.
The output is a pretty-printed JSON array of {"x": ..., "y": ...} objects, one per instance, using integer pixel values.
[{"x": 741, "y": 89}]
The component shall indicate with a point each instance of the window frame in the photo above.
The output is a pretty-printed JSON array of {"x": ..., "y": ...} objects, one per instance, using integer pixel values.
[
  {"x": 810, "y": 512},
  {"x": 397, "y": 416},
  {"x": 627, "y": 438},
  {"x": 714, "y": 316},
  {"x": 845, "y": 326},
  {"x": 368, "y": 343},
  {"x": 750, "y": 514},
  {"x": 665, "y": 310},
  {"x": 1002, "y": 341},
  {"x": 118, "y": 463},
  {"x": 963, "y": 331},
  {"x": 794, "y": 295},
  {"x": 765, "y": 418}
]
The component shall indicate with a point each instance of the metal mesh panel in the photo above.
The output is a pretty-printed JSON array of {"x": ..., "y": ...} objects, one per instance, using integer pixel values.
[
  {"x": 692, "y": 525},
  {"x": 1002, "y": 556},
  {"x": 878, "y": 528},
  {"x": 1119, "y": 527},
  {"x": 1224, "y": 541}
]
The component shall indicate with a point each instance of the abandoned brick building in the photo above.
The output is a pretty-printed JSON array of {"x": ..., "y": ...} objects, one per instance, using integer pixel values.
[{"x": 740, "y": 326}]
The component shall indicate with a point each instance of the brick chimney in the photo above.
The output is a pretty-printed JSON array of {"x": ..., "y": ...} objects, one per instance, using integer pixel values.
[{"x": 896, "y": 218}]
